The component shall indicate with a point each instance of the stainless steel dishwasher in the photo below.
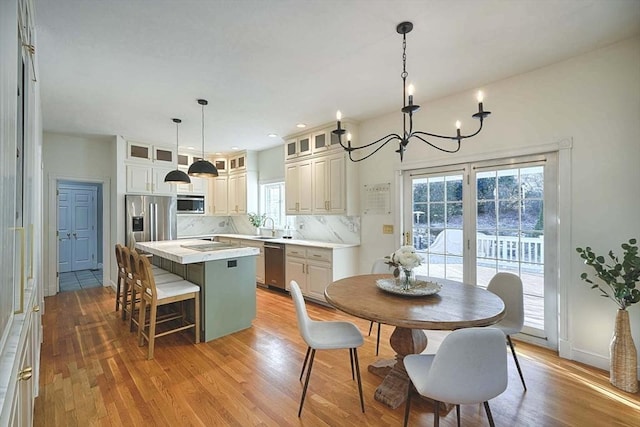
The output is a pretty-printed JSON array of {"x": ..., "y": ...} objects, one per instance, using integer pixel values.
[{"x": 274, "y": 265}]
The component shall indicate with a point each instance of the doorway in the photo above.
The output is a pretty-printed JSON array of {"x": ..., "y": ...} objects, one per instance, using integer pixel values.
[
  {"x": 470, "y": 221},
  {"x": 79, "y": 228}
]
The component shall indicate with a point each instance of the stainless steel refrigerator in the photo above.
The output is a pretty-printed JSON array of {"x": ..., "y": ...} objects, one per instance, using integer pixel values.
[{"x": 149, "y": 218}]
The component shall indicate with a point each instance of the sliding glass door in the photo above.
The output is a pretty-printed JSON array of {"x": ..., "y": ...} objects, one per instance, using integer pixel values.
[{"x": 471, "y": 221}]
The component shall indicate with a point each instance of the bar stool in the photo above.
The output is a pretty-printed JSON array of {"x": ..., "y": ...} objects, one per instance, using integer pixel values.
[
  {"x": 160, "y": 275},
  {"x": 121, "y": 275},
  {"x": 153, "y": 296}
]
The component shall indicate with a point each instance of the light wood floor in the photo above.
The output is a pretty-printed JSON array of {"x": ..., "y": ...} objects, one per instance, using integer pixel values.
[{"x": 93, "y": 373}]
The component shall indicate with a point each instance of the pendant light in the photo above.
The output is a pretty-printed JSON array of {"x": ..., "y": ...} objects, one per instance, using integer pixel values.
[
  {"x": 178, "y": 176},
  {"x": 202, "y": 167}
]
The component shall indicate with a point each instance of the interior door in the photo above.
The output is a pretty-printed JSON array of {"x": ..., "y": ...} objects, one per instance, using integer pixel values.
[
  {"x": 83, "y": 242},
  {"x": 77, "y": 234},
  {"x": 64, "y": 231}
]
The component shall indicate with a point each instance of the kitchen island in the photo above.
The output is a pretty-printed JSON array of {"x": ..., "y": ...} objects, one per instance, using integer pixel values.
[{"x": 226, "y": 276}]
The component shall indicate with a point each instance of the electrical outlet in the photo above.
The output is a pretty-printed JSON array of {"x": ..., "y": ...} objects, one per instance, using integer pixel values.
[{"x": 387, "y": 229}]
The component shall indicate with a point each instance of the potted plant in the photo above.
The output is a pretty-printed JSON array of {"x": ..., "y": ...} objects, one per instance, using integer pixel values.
[
  {"x": 620, "y": 277},
  {"x": 256, "y": 220}
]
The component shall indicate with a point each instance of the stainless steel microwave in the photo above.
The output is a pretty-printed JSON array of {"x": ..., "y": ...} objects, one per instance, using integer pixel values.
[{"x": 190, "y": 204}]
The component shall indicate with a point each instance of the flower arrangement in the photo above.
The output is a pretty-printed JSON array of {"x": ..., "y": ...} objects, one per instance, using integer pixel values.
[
  {"x": 256, "y": 219},
  {"x": 405, "y": 258}
]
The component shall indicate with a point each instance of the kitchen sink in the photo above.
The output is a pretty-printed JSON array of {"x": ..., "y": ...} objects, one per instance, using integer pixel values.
[{"x": 265, "y": 237}]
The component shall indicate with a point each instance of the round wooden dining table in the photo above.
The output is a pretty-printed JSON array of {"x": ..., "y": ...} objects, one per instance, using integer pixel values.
[{"x": 455, "y": 306}]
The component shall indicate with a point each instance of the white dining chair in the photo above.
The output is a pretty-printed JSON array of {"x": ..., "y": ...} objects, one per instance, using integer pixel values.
[
  {"x": 325, "y": 335},
  {"x": 508, "y": 287},
  {"x": 379, "y": 266},
  {"x": 469, "y": 367}
]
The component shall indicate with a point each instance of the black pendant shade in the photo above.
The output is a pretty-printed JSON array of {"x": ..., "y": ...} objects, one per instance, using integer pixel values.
[
  {"x": 177, "y": 176},
  {"x": 203, "y": 168}
]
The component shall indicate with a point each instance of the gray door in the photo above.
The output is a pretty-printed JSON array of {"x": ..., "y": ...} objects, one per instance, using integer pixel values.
[
  {"x": 64, "y": 231},
  {"x": 77, "y": 234}
]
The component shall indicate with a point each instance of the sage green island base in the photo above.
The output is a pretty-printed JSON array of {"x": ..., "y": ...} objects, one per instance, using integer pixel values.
[
  {"x": 226, "y": 276},
  {"x": 227, "y": 295}
]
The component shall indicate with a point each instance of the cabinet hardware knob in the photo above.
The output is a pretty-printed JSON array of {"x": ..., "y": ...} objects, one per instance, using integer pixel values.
[
  {"x": 25, "y": 374},
  {"x": 36, "y": 308}
]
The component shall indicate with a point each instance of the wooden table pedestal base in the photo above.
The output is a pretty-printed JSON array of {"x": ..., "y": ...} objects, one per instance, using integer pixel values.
[{"x": 393, "y": 390}]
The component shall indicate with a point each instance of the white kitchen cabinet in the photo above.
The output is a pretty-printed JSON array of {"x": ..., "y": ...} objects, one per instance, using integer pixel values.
[
  {"x": 260, "y": 269},
  {"x": 158, "y": 186},
  {"x": 17, "y": 410},
  {"x": 218, "y": 196},
  {"x": 237, "y": 194},
  {"x": 298, "y": 147},
  {"x": 295, "y": 266},
  {"x": 238, "y": 163},
  {"x": 314, "y": 268},
  {"x": 329, "y": 184},
  {"x": 141, "y": 152},
  {"x": 138, "y": 179},
  {"x": 149, "y": 180},
  {"x": 298, "y": 194},
  {"x": 197, "y": 186},
  {"x": 221, "y": 164},
  {"x": 324, "y": 182}
]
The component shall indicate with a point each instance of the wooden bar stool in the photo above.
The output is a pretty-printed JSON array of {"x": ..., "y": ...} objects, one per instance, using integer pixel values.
[
  {"x": 160, "y": 276},
  {"x": 121, "y": 276},
  {"x": 153, "y": 296}
]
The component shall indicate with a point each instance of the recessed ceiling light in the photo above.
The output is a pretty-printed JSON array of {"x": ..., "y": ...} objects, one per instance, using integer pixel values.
[
  {"x": 234, "y": 148},
  {"x": 191, "y": 148},
  {"x": 301, "y": 125},
  {"x": 272, "y": 135}
]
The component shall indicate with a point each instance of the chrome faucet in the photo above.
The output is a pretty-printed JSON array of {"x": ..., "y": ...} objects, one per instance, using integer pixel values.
[{"x": 273, "y": 225}]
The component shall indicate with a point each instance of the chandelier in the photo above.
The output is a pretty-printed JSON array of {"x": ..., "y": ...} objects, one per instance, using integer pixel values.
[{"x": 408, "y": 109}]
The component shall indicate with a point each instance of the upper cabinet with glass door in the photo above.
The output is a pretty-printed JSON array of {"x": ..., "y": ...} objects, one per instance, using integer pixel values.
[
  {"x": 238, "y": 163},
  {"x": 298, "y": 147},
  {"x": 147, "y": 153}
]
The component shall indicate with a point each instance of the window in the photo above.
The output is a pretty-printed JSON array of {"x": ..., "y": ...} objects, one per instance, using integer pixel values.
[{"x": 272, "y": 202}]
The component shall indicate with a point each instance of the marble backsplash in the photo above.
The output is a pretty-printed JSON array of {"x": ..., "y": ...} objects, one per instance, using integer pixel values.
[{"x": 324, "y": 228}]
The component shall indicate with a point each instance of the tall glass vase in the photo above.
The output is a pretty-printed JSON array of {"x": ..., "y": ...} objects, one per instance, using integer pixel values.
[
  {"x": 623, "y": 358},
  {"x": 406, "y": 278}
]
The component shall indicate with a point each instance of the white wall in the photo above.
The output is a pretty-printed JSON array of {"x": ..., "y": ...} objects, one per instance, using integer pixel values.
[
  {"x": 592, "y": 100},
  {"x": 78, "y": 158},
  {"x": 271, "y": 164}
]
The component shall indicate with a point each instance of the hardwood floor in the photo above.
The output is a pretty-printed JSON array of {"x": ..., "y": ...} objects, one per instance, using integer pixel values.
[{"x": 93, "y": 373}]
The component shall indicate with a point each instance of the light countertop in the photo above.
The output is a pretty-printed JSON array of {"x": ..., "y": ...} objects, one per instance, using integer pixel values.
[
  {"x": 174, "y": 250},
  {"x": 310, "y": 243}
]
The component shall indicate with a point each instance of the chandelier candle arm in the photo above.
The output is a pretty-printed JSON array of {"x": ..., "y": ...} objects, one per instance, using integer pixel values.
[{"x": 408, "y": 109}]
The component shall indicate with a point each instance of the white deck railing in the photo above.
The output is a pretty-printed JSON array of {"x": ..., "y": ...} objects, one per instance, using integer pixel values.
[
  {"x": 508, "y": 248},
  {"x": 511, "y": 248}
]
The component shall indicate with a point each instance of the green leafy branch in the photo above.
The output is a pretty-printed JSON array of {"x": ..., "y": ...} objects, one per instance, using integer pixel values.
[
  {"x": 619, "y": 276},
  {"x": 256, "y": 219}
]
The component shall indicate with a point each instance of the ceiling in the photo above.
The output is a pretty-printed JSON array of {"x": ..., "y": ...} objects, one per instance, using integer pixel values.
[{"x": 126, "y": 67}]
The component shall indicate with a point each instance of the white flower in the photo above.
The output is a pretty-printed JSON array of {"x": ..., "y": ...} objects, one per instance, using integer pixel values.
[{"x": 405, "y": 257}]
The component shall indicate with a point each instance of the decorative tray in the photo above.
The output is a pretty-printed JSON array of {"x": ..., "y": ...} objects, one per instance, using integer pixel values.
[{"x": 418, "y": 289}]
